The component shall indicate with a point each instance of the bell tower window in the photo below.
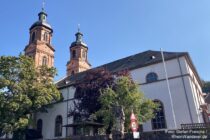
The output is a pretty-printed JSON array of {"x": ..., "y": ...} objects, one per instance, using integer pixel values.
[
  {"x": 33, "y": 37},
  {"x": 74, "y": 54},
  {"x": 83, "y": 54},
  {"x": 45, "y": 37},
  {"x": 44, "y": 61}
]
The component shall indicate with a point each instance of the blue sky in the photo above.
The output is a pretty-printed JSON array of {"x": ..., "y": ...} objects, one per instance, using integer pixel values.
[{"x": 113, "y": 29}]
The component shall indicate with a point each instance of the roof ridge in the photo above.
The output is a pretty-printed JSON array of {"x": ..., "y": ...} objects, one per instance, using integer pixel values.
[{"x": 132, "y": 62}]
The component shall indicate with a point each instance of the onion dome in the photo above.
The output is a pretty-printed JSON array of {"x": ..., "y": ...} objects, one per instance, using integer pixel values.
[{"x": 42, "y": 20}]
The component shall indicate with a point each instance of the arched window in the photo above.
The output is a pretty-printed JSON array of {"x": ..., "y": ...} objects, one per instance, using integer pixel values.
[
  {"x": 72, "y": 73},
  {"x": 83, "y": 54},
  {"x": 45, "y": 37},
  {"x": 151, "y": 77},
  {"x": 74, "y": 54},
  {"x": 159, "y": 122},
  {"x": 33, "y": 36},
  {"x": 39, "y": 126},
  {"x": 44, "y": 61},
  {"x": 58, "y": 126}
]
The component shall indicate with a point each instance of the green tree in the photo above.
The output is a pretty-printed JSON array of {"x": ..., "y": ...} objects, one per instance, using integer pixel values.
[
  {"x": 88, "y": 92},
  {"x": 24, "y": 90},
  {"x": 206, "y": 87},
  {"x": 125, "y": 93}
]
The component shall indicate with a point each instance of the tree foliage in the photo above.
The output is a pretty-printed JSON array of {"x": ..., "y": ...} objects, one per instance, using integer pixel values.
[
  {"x": 100, "y": 90},
  {"x": 24, "y": 90},
  {"x": 88, "y": 92},
  {"x": 206, "y": 87},
  {"x": 125, "y": 93}
]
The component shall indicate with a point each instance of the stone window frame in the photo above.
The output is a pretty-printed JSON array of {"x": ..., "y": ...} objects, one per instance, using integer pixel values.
[
  {"x": 45, "y": 36},
  {"x": 44, "y": 61}
]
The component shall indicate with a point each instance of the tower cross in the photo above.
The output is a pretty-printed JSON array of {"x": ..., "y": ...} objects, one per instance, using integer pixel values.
[
  {"x": 43, "y": 5},
  {"x": 78, "y": 27}
]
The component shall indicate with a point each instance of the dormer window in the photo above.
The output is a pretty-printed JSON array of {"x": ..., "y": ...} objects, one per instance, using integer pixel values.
[{"x": 151, "y": 77}]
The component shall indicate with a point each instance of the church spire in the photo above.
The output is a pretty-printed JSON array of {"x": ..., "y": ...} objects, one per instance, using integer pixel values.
[
  {"x": 42, "y": 21},
  {"x": 40, "y": 47},
  {"x": 43, "y": 15},
  {"x": 79, "y": 36},
  {"x": 78, "y": 52}
]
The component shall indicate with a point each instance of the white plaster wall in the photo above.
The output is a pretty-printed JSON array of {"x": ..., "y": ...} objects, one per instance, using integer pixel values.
[
  {"x": 156, "y": 90},
  {"x": 159, "y": 91},
  {"x": 68, "y": 93},
  {"x": 180, "y": 92},
  {"x": 193, "y": 100},
  {"x": 139, "y": 74},
  {"x": 48, "y": 119},
  {"x": 197, "y": 94}
]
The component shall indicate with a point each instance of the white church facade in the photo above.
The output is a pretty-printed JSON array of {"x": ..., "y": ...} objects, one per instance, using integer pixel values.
[{"x": 185, "y": 106}]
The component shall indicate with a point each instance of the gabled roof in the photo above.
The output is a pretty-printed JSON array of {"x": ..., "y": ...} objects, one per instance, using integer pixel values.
[{"x": 129, "y": 63}]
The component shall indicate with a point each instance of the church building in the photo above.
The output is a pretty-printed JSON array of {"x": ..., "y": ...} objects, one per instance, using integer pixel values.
[{"x": 186, "y": 104}]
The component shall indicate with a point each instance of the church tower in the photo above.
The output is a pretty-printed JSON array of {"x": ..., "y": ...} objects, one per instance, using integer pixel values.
[
  {"x": 40, "y": 47},
  {"x": 78, "y": 56}
]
